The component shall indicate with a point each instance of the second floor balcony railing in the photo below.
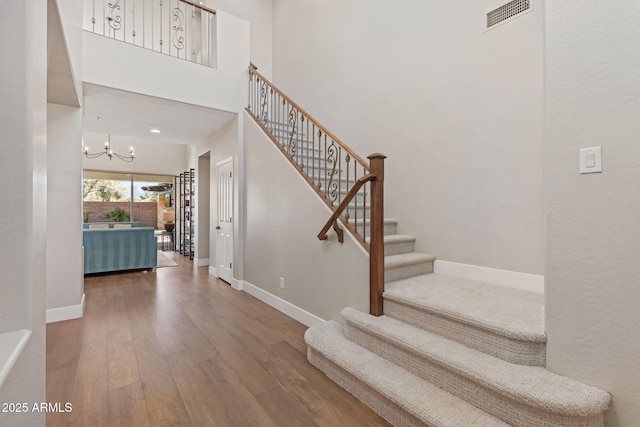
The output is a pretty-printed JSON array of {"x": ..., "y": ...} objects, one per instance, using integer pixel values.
[{"x": 179, "y": 28}]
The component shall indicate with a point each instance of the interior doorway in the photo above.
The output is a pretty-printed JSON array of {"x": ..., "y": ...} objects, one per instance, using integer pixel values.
[
  {"x": 224, "y": 227},
  {"x": 203, "y": 205}
]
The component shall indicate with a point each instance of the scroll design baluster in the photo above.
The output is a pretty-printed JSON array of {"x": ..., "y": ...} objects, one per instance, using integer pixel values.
[
  {"x": 293, "y": 122},
  {"x": 332, "y": 160},
  {"x": 114, "y": 19},
  {"x": 178, "y": 35},
  {"x": 263, "y": 101},
  {"x": 331, "y": 169},
  {"x": 183, "y": 29}
]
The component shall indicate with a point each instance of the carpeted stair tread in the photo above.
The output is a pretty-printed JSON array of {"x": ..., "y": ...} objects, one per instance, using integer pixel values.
[
  {"x": 510, "y": 312},
  {"x": 401, "y": 260},
  {"x": 527, "y": 385},
  {"x": 427, "y": 404}
]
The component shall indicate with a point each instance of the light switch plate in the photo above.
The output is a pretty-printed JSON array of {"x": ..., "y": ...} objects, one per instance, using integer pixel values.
[{"x": 591, "y": 160}]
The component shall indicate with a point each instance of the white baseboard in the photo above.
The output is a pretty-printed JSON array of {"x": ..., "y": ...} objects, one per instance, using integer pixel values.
[
  {"x": 508, "y": 279},
  {"x": 237, "y": 284},
  {"x": 65, "y": 313},
  {"x": 201, "y": 262},
  {"x": 279, "y": 304},
  {"x": 213, "y": 272}
]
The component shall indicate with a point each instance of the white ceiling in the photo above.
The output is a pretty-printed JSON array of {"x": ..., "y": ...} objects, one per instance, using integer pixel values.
[{"x": 133, "y": 115}]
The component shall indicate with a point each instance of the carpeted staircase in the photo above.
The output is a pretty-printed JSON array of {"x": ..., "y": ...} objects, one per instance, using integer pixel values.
[{"x": 450, "y": 352}]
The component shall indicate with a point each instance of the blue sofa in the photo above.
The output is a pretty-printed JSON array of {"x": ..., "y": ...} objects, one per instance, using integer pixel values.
[{"x": 119, "y": 249}]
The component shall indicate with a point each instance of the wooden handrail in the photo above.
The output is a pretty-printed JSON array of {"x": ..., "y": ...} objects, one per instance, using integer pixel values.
[
  {"x": 342, "y": 206},
  {"x": 280, "y": 117},
  {"x": 309, "y": 117},
  {"x": 199, "y": 6}
]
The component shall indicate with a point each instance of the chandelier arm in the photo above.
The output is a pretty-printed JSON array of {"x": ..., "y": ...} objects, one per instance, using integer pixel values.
[
  {"x": 93, "y": 155},
  {"x": 124, "y": 158}
]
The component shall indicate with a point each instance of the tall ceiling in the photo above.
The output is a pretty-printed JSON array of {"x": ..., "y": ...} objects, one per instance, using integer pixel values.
[
  {"x": 117, "y": 112},
  {"x": 122, "y": 113}
]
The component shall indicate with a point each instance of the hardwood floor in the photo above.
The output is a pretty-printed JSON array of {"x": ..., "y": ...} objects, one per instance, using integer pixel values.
[{"x": 180, "y": 348}]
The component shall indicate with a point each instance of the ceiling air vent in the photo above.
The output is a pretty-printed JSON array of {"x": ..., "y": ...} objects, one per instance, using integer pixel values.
[{"x": 507, "y": 11}]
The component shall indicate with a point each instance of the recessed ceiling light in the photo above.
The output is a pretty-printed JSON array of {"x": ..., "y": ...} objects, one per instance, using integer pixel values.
[{"x": 154, "y": 130}]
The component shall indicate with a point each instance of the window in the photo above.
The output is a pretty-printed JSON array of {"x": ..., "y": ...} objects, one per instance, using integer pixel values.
[{"x": 112, "y": 196}]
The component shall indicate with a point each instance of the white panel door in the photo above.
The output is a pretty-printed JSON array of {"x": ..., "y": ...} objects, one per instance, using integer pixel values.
[{"x": 224, "y": 246}]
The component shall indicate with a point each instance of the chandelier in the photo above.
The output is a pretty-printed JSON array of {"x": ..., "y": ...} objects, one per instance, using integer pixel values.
[{"x": 109, "y": 152}]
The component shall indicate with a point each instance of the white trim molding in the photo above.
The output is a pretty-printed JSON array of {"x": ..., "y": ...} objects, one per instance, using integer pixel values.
[
  {"x": 65, "y": 313},
  {"x": 202, "y": 262},
  {"x": 213, "y": 272},
  {"x": 506, "y": 278},
  {"x": 11, "y": 345},
  {"x": 279, "y": 304},
  {"x": 237, "y": 284}
]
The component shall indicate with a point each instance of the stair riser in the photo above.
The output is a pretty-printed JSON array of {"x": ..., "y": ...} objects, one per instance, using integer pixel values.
[
  {"x": 505, "y": 348},
  {"x": 403, "y": 272},
  {"x": 389, "y": 228},
  {"x": 303, "y": 151},
  {"x": 297, "y": 145},
  {"x": 366, "y": 394},
  {"x": 358, "y": 198},
  {"x": 399, "y": 248},
  {"x": 456, "y": 383},
  {"x": 309, "y": 162}
]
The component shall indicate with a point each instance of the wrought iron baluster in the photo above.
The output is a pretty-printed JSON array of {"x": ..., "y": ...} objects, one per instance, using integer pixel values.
[
  {"x": 253, "y": 95},
  {"x": 272, "y": 100},
  {"x": 324, "y": 185},
  {"x": 113, "y": 18},
  {"x": 347, "y": 161},
  {"x": 153, "y": 37},
  {"x": 193, "y": 34},
  {"x": 93, "y": 17},
  {"x": 355, "y": 211},
  {"x": 340, "y": 176},
  {"x": 302, "y": 145},
  {"x": 364, "y": 219},
  {"x": 178, "y": 40},
  {"x": 263, "y": 102},
  {"x": 249, "y": 93},
  {"x": 161, "y": 19},
  {"x": 291, "y": 122},
  {"x": 308, "y": 143},
  {"x": 332, "y": 160},
  {"x": 143, "y": 25}
]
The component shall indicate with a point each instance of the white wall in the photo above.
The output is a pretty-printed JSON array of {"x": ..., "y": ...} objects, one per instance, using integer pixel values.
[
  {"x": 458, "y": 112},
  {"x": 283, "y": 218},
  {"x": 592, "y": 98},
  {"x": 127, "y": 67},
  {"x": 64, "y": 210},
  {"x": 71, "y": 17},
  {"x": 259, "y": 14},
  {"x": 23, "y": 152},
  {"x": 151, "y": 157}
]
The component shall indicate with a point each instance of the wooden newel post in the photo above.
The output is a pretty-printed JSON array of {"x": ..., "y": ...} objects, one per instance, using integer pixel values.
[{"x": 376, "y": 245}]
